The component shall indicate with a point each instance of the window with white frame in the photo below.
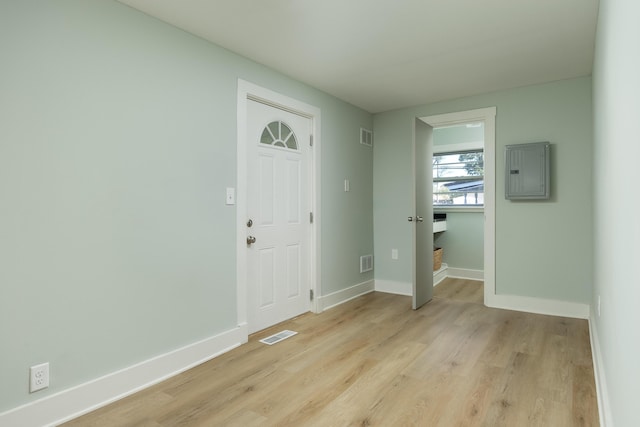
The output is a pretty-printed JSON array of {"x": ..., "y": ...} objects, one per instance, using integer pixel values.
[{"x": 458, "y": 178}]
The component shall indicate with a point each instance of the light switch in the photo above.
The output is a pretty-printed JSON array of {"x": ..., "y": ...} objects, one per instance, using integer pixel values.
[
  {"x": 347, "y": 185},
  {"x": 231, "y": 196},
  {"x": 394, "y": 254}
]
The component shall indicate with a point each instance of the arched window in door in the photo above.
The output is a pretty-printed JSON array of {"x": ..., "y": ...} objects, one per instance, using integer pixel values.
[{"x": 278, "y": 134}]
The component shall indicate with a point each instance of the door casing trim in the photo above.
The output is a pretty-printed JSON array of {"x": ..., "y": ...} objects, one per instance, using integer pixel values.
[
  {"x": 488, "y": 115},
  {"x": 250, "y": 91}
]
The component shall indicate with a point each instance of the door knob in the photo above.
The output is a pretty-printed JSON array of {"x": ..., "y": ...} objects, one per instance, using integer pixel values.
[
  {"x": 410, "y": 219},
  {"x": 250, "y": 240},
  {"x": 419, "y": 219}
]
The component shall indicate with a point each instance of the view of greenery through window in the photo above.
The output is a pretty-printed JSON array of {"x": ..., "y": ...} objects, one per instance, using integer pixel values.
[{"x": 458, "y": 178}]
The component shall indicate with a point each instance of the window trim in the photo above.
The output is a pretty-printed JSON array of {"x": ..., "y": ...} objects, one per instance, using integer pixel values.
[{"x": 458, "y": 209}]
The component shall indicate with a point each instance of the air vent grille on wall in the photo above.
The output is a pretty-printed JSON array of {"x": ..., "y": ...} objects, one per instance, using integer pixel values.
[
  {"x": 366, "y": 263},
  {"x": 366, "y": 137}
]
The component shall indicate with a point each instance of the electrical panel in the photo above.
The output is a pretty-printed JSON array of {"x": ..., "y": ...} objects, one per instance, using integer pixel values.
[{"x": 527, "y": 171}]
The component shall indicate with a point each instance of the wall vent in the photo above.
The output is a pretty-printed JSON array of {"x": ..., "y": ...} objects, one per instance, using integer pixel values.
[
  {"x": 366, "y": 137},
  {"x": 366, "y": 263}
]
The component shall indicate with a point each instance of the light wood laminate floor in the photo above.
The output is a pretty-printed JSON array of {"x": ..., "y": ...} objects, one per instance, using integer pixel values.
[{"x": 375, "y": 362}]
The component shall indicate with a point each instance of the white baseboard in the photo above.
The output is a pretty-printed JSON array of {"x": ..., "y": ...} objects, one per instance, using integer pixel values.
[
  {"x": 539, "y": 306},
  {"x": 440, "y": 275},
  {"x": 392, "y": 287},
  {"x": 520, "y": 303},
  {"x": 465, "y": 273},
  {"x": 340, "y": 297},
  {"x": 406, "y": 288},
  {"x": 604, "y": 407},
  {"x": 507, "y": 302},
  {"x": 75, "y": 401}
]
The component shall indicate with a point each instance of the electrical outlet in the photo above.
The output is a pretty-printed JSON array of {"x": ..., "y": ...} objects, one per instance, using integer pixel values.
[
  {"x": 38, "y": 377},
  {"x": 394, "y": 254}
]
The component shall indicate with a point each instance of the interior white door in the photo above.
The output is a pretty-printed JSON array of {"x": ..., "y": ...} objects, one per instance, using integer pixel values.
[
  {"x": 423, "y": 220},
  {"x": 278, "y": 223}
]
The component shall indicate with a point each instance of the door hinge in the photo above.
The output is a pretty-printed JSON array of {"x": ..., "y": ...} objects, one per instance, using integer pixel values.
[
  {"x": 311, "y": 140},
  {"x": 311, "y": 294},
  {"x": 311, "y": 217}
]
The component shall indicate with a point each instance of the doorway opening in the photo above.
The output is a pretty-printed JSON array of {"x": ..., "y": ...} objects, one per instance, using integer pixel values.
[{"x": 466, "y": 192}]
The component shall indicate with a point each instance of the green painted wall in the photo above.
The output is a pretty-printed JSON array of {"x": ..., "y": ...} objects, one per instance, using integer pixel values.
[
  {"x": 457, "y": 134},
  {"x": 543, "y": 249},
  {"x": 392, "y": 203},
  {"x": 118, "y": 139},
  {"x": 616, "y": 96},
  {"x": 463, "y": 241}
]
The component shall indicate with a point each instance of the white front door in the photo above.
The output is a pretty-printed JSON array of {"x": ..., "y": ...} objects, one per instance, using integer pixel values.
[{"x": 278, "y": 206}]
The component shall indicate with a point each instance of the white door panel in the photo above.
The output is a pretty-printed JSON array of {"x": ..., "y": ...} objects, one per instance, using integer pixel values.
[
  {"x": 293, "y": 191},
  {"x": 265, "y": 186},
  {"x": 278, "y": 203},
  {"x": 423, "y": 223},
  {"x": 293, "y": 271},
  {"x": 265, "y": 277}
]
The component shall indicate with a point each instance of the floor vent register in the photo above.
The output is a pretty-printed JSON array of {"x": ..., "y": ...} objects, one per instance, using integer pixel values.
[{"x": 276, "y": 338}]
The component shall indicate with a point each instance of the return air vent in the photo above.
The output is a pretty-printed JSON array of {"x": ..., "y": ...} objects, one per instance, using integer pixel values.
[
  {"x": 280, "y": 336},
  {"x": 366, "y": 137},
  {"x": 366, "y": 263}
]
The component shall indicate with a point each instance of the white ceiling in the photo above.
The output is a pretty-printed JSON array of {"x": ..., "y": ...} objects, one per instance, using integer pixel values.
[{"x": 386, "y": 54}]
